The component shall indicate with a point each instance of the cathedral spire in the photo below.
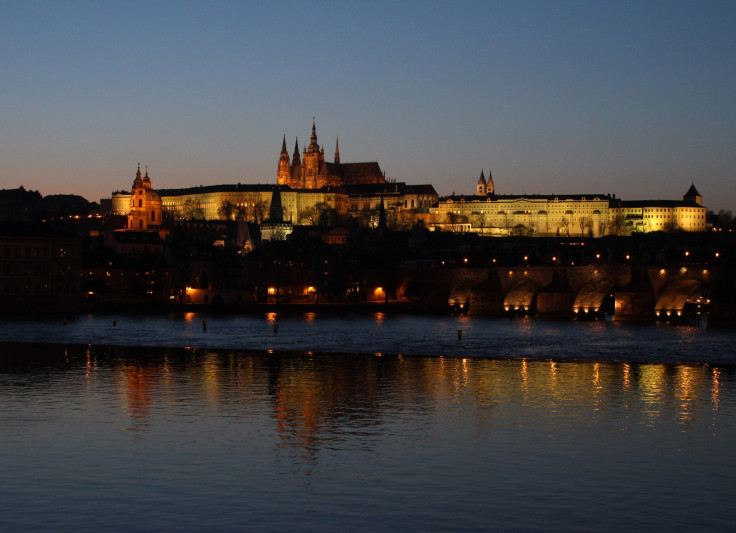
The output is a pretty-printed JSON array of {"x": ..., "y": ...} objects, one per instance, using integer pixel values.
[
  {"x": 296, "y": 160},
  {"x": 313, "y": 146},
  {"x": 337, "y": 151},
  {"x": 283, "y": 176}
]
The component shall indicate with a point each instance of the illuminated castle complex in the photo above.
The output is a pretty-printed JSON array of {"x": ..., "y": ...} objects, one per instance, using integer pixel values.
[{"x": 308, "y": 186}]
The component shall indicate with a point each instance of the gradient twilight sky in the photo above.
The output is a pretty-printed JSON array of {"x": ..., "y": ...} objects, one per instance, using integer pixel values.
[{"x": 633, "y": 98}]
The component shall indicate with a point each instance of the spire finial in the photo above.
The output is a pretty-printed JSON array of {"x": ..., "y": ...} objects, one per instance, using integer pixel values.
[{"x": 313, "y": 146}]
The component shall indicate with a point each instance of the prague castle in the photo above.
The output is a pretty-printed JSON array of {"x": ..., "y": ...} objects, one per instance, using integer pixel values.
[{"x": 307, "y": 186}]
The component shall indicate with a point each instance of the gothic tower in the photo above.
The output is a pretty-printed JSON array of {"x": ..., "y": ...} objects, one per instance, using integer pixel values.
[
  {"x": 283, "y": 177},
  {"x": 490, "y": 186},
  {"x": 313, "y": 162}
]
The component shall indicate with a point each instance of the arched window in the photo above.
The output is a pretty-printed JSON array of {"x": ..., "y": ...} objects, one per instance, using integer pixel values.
[
  {"x": 140, "y": 202},
  {"x": 140, "y": 224},
  {"x": 153, "y": 216}
]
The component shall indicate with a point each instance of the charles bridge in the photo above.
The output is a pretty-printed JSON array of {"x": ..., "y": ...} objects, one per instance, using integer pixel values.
[{"x": 625, "y": 292}]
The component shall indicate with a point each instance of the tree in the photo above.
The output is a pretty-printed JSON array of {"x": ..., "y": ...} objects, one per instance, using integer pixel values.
[
  {"x": 227, "y": 210},
  {"x": 192, "y": 210},
  {"x": 455, "y": 220},
  {"x": 257, "y": 211},
  {"x": 565, "y": 226},
  {"x": 313, "y": 215},
  {"x": 615, "y": 224},
  {"x": 479, "y": 220}
]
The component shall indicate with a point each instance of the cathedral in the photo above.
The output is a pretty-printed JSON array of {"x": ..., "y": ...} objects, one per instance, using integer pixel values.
[{"x": 310, "y": 170}]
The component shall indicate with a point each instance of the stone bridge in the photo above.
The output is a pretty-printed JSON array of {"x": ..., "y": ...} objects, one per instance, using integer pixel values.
[{"x": 623, "y": 291}]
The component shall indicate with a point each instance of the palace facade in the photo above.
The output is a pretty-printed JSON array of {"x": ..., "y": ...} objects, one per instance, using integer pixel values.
[{"x": 584, "y": 215}]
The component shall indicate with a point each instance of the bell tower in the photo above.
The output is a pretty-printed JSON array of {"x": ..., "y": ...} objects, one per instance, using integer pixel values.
[{"x": 481, "y": 189}]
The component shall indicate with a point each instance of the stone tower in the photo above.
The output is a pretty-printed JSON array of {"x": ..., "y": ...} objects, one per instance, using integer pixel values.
[
  {"x": 692, "y": 195},
  {"x": 481, "y": 190}
]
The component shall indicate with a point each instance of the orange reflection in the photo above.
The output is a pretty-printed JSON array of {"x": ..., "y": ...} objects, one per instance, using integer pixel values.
[{"x": 715, "y": 388}]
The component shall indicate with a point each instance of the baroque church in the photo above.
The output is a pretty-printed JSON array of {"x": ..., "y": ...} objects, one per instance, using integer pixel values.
[
  {"x": 146, "y": 209},
  {"x": 309, "y": 170}
]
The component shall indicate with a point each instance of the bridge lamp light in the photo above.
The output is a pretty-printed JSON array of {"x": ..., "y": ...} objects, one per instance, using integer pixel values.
[
  {"x": 628, "y": 257},
  {"x": 717, "y": 255},
  {"x": 658, "y": 312}
]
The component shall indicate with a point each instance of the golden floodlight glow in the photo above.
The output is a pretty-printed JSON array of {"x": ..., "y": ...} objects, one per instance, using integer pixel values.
[
  {"x": 272, "y": 290},
  {"x": 379, "y": 290}
]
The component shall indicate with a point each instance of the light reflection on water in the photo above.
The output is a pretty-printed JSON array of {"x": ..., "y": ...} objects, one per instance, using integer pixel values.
[{"x": 140, "y": 438}]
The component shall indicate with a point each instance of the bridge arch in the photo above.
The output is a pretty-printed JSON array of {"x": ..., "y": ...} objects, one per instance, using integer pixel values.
[
  {"x": 522, "y": 297},
  {"x": 594, "y": 298},
  {"x": 460, "y": 295},
  {"x": 675, "y": 296}
]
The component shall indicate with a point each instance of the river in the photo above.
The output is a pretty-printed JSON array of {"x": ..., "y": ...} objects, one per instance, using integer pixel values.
[{"x": 364, "y": 423}]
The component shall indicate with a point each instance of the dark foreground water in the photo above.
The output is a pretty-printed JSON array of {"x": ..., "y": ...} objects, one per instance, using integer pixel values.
[{"x": 108, "y": 434}]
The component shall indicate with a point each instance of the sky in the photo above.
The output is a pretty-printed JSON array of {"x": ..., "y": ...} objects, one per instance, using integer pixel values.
[{"x": 632, "y": 98}]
